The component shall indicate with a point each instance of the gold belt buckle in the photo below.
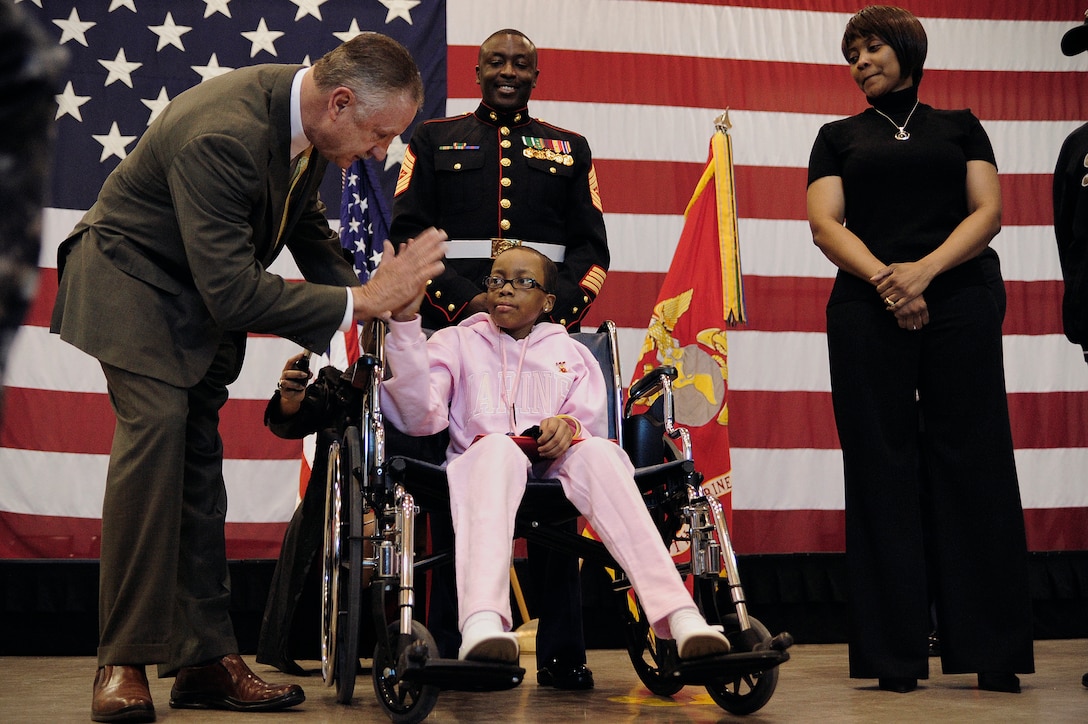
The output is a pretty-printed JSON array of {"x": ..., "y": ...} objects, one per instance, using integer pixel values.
[{"x": 498, "y": 246}]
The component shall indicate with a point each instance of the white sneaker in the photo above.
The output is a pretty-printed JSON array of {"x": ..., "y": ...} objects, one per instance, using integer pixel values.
[
  {"x": 483, "y": 639},
  {"x": 694, "y": 637},
  {"x": 502, "y": 648},
  {"x": 696, "y": 644}
]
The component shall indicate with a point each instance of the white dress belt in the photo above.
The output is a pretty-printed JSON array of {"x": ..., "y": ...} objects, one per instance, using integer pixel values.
[{"x": 490, "y": 248}]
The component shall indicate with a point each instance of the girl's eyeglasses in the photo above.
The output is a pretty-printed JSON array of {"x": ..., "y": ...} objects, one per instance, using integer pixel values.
[{"x": 494, "y": 283}]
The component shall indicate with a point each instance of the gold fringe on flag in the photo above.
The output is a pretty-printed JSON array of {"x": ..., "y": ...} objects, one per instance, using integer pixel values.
[{"x": 720, "y": 170}]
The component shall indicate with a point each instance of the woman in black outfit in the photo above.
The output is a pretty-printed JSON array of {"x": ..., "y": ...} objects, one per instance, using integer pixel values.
[{"x": 904, "y": 199}]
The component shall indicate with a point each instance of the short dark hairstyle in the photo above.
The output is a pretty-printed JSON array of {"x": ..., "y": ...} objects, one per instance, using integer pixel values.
[
  {"x": 896, "y": 27},
  {"x": 507, "y": 31},
  {"x": 551, "y": 271},
  {"x": 374, "y": 66}
]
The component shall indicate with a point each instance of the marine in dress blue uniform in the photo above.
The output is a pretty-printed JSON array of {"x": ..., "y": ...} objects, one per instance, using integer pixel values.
[{"x": 496, "y": 177}]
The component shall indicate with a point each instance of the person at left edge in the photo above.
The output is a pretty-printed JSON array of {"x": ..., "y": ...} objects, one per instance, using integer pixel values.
[
  {"x": 492, "y": 177},
  {"x": 30, "y": 72},
  {"x": 160, "y": 281}
]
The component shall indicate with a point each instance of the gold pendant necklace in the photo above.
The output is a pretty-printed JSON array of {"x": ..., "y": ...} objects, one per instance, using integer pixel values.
[{"x": 902, "y": 134}]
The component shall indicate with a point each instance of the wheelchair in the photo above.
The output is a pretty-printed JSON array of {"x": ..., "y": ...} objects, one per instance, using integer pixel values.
[{"x": 369, "y": 562}]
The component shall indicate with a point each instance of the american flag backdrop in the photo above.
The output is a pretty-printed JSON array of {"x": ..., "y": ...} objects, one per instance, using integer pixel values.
[
  {"x": 364, "y": 224},
  {"x": 643, "y": 80}
]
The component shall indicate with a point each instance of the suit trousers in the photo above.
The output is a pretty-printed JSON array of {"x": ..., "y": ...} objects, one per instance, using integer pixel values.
[
  {"x": 164, "y": 588},
  {"x": 933, "y": 507}
]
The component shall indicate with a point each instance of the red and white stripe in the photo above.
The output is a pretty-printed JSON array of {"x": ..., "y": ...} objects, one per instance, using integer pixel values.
[{"x": 643, "y": 80}]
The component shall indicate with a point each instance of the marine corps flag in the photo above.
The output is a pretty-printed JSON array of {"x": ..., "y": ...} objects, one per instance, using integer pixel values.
[{"x": 701, "y": 295}]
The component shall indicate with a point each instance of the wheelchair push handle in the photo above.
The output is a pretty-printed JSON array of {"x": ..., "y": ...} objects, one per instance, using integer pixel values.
[{"x": 651, "y": 382}]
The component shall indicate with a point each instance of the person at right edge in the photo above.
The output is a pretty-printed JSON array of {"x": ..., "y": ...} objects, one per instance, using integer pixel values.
[
  {"x": 492, "y": 178},
  {"x": 904, "y": 199},
  {"x": 1071, "y": 218}
]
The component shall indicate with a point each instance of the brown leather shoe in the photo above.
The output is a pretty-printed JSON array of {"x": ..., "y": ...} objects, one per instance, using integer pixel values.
[
  {"x": 229, "y": 684},
  {"x": 121, "y": 694}
]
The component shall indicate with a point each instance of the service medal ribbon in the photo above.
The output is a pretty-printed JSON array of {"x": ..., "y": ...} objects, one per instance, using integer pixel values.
[{"x": 548, "y": 149}]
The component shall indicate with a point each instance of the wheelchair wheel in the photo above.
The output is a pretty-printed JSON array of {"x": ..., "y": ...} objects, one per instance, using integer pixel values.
[
  {"x": 343, "y": 568},
  {"x": 330, "y": 565},
  {"x": 405, "y": 702},
  {"x": 647, "y": 652},
  {"x": 749, "y": 692}
]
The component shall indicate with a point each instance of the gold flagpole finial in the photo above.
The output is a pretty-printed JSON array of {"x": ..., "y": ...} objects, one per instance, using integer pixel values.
[{"x": 722, "y": 122}]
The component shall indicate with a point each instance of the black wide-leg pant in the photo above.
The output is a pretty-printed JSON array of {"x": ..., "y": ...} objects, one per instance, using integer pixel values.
[{"x": 933, "y": 506}]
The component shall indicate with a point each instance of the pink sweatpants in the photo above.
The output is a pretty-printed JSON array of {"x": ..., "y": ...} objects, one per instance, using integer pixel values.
[{"x": 487, "y": 483}]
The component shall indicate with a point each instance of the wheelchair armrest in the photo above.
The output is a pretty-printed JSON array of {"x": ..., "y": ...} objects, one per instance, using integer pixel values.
[
  {"x": 666, "y": 475},
  {"x": 425, "y": 481},
  {"x": 400, "y": 465},
  {"x": 651, "y": 382}
]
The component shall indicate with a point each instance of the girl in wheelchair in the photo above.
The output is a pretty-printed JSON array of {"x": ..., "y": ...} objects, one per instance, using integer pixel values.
[{"x": 495, "y": 374}]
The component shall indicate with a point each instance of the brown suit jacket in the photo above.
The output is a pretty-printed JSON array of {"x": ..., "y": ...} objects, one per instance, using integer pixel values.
[{"x": 174, "y": 253}]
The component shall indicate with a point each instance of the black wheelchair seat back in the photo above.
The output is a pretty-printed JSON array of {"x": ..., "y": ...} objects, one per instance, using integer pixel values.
[
  {"x": 644, "y": 436},
  {"x": 602, "y": 344}
]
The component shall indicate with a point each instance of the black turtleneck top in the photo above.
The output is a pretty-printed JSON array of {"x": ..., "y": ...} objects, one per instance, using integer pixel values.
[{"x": 903, "y": 198}]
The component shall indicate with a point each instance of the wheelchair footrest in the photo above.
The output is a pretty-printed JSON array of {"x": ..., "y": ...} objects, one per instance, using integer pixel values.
[
  {"x": 727, "y": 666},
  {"x": 458, "y": 675}
]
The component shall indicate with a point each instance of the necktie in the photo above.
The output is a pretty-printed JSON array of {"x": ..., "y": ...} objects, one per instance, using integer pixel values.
[{"x": 301, "y": 162}]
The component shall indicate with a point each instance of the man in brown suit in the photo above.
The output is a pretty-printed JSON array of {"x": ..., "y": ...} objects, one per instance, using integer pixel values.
[{"x": 161, "y": 281}]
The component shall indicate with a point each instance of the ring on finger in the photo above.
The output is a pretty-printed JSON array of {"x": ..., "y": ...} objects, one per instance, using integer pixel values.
[{"x": 889, "y": 302}]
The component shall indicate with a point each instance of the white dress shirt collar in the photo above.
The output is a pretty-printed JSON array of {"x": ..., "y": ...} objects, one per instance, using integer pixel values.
[{"x": 299, "y": 142}]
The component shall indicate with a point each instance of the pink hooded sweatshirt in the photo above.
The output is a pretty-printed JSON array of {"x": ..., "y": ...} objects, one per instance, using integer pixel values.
[{"x": 483, "y": 381}]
